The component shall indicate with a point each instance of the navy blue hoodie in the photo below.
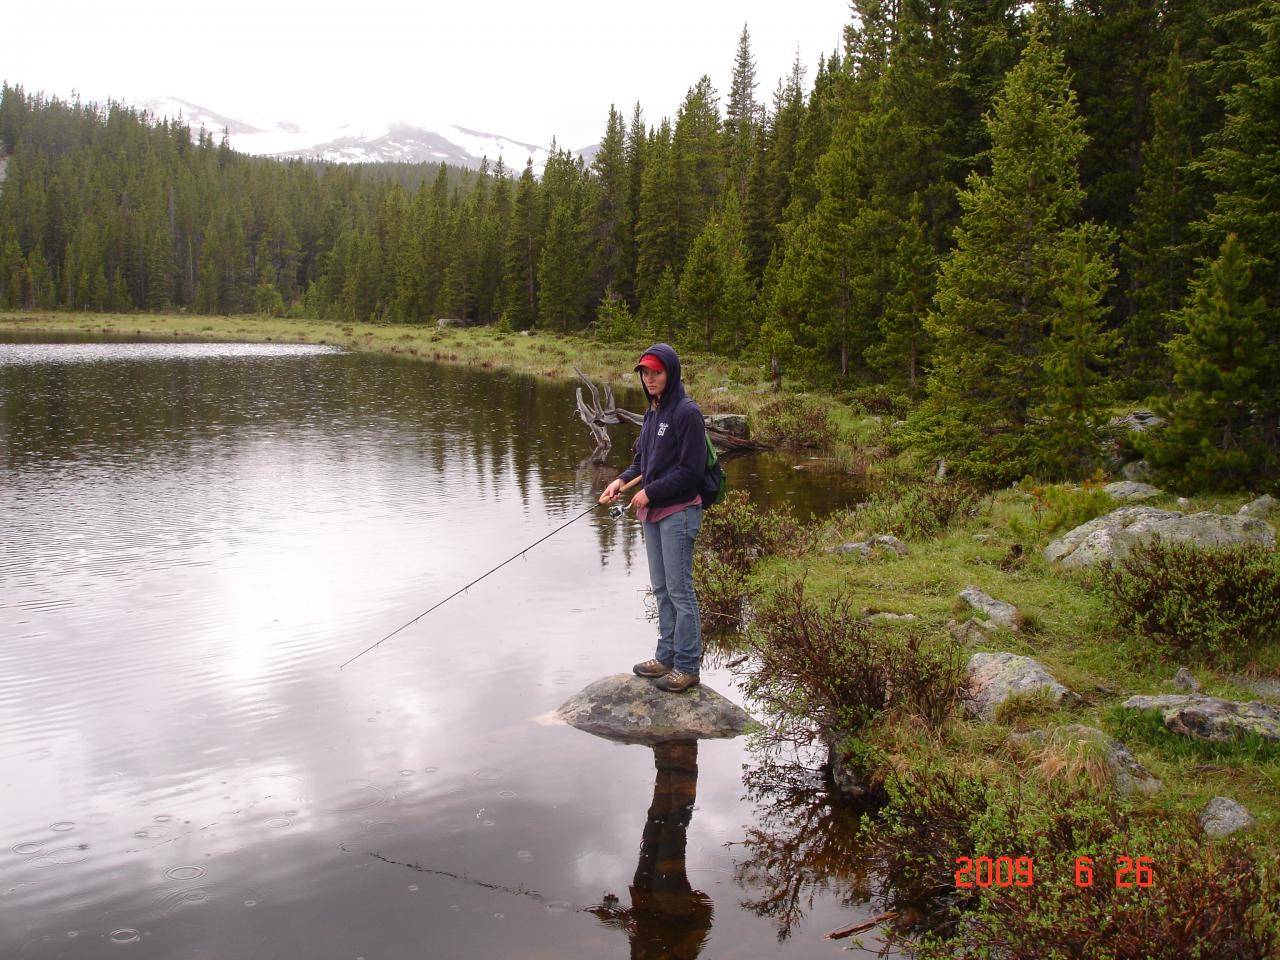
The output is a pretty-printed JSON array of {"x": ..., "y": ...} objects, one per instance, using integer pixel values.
[{"x": 671, "y": 451}]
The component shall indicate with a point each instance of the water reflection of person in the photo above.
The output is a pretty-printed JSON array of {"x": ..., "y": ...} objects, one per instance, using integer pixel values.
[{"x": 667, "y": 917}]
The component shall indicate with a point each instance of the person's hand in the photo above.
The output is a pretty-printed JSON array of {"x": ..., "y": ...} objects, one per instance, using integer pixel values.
[
  {"x": 641, "y": 499},
  {"x": 611, "y": 491}
]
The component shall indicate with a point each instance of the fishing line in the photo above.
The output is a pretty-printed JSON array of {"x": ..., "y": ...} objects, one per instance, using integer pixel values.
[{"x": 616, "y": 511}]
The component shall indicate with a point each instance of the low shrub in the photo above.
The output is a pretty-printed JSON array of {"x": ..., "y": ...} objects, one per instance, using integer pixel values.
[
  {"x": 1220, "y": 604},
  {"x": 1057, "y": 509},
  {"x": 1205, "y": 899},
  {"x": 734, "y": 537},
  {"x": 820, "y": 671},
  {"x": 915, "y": 510},
  {"x": 793, "y": 421}
]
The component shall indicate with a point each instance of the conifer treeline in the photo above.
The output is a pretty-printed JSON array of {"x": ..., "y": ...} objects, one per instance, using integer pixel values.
[{"x": 1007, "y": 217}]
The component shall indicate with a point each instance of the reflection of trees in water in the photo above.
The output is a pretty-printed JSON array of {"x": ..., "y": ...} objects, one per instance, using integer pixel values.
[
  {"x": 667, "y": 919},
  {"x": 804, "y": 844}
]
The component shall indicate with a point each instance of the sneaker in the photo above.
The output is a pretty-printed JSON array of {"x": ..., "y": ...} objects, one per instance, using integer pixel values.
[
  {"x": 675, "y": 681},
  {"x": 651, "y": 669}
]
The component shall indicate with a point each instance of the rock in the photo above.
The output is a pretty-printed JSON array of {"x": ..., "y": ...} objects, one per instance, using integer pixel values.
[
  {"x": 1184, "y": 504},
  {"x": 1137, "y": 470},
  {"x": 631, "y": 709},
  {"x": 1127, "y": 774},
  {"x": 889, "y": 544},
  {"x": 1222, "y": 816},
  {"x": 885, "y": 616},
  {"x": 734, "y": 424},
  {"x": 1265, "y": 687},
  {"x": 997, "y": 611},
  {"x": 881, "y": 543},
  {"x": 971, "y": 631},
  {"x": 1185, "y": 680},
  {"x": 848, "y": 779},
  {"x": 1126, "y": 490},
  {"x": 860, "y": 549},
  {"x": 995, "y": 677},
  {"x": 448, "y": 322},
  {"x": 1211, "y": 718},
  {"x": 982, "y": 537},
  {"x": 1138, "y": 421},
  {"x": 1262, "y": 509},
  {"x": 1111, "y": 537}
]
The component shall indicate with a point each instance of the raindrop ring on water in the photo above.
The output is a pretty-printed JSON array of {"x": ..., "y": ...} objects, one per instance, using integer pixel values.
[{"x": 184, "y": 872}]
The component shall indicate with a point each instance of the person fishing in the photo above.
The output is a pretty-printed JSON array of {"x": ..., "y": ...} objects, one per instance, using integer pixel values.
[{"x": 671, "y": 456}]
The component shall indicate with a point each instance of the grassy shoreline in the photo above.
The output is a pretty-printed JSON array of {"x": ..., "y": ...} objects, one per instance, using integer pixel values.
[{"x": 720, "y": 385}]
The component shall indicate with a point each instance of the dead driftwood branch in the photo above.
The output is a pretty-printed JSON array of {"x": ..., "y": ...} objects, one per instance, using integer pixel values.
[
  {"x": 862, "y": 927},
  {"x": 598, "y": 415}
]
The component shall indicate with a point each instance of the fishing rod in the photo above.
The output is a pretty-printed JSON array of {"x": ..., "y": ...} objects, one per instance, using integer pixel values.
[{"x": 615, "y": 511}]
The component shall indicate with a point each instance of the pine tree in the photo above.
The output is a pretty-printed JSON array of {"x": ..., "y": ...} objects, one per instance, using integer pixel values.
[
  {"x": 741, "y": 114},
  {"x": 560, "y": 272},
  {"x": 697, "y": 162},
  {"x": 998, "y": 289},
  {"x": 611, "y": 217},
  {"x": 1216, "y": 436},
  {"x": 1161, "y": 246},
  {"x": 520, "y": 279},
  {"x": 900, "y": 355},
  {"x": 1068, "y": 422},
  {"x": 660, "y": 312},
  {"x": 658, "y": 226}
]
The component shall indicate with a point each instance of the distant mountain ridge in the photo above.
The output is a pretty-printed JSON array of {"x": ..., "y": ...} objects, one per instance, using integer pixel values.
[{"x": 398, "y": 142}]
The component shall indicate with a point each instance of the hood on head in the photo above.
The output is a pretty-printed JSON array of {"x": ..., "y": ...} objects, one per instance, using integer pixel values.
[{"x": 670, "y": 360}]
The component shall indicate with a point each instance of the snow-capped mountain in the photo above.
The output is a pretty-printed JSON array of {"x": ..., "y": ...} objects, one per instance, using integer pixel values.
[
  {"x": 353, "y": 143},
  {"x": 193, "y": 114}
]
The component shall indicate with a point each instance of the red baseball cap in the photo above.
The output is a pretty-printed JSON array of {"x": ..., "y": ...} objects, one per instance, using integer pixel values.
[{"x": 652, "y": 362}]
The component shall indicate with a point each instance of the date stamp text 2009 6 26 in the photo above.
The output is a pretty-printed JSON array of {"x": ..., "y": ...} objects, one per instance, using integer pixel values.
[{"x": 1020, "y": 872}]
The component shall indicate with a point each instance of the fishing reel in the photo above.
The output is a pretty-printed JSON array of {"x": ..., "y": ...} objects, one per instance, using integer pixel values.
[{"x": 617, "y": 511}]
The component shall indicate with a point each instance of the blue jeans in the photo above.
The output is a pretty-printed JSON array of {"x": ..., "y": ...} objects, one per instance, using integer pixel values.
[{"x": 669, "y": 544}]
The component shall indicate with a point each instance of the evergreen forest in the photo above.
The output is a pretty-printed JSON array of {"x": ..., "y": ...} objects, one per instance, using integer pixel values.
[{"x": 998, "y": 221}]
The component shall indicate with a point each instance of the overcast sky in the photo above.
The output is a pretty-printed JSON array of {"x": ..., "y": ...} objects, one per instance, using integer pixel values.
[{"x": 526, "y": 70}]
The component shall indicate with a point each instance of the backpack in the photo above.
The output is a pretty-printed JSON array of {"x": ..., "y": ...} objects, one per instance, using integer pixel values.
[{"x": 713, "y": 483}]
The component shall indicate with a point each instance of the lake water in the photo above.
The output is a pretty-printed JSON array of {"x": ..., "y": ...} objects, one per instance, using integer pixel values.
[{"x": 196, "y": 536}]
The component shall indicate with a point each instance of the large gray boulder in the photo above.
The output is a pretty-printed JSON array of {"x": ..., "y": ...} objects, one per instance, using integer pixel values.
[
  {"x": 1211, "y": 718},
  {"x": 1223, "y": 816},
  {"x": 633, "y": 710},
  {"x": 1111, "y": 537},
  {"x": 995, "y": 677}
]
